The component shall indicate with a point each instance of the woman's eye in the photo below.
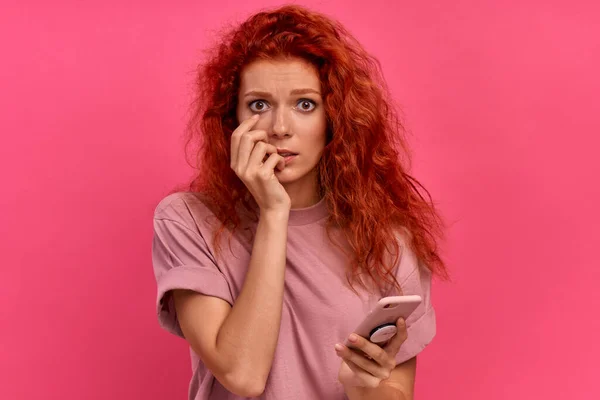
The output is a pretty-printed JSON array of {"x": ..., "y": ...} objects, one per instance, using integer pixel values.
[
  {"x": 306, "y": 105},
  {"x": 258, "y": 106}
]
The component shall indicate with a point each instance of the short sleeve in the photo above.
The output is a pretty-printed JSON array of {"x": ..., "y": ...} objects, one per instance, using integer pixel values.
[
  {"x": 421, "y": 325},
  {"x": 181, "y": 260}
]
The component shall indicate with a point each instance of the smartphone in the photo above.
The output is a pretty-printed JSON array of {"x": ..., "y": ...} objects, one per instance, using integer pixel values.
[{"x": 379, "y": 325}]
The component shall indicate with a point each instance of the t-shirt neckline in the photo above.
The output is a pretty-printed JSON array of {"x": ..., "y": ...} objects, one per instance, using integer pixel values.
[{"x": 308, "y": 215}]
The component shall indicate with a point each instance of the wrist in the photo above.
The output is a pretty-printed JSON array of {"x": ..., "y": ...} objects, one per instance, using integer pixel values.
[
  {"x": 382, "y": 392},
  {"x": 275, "y": 215}
]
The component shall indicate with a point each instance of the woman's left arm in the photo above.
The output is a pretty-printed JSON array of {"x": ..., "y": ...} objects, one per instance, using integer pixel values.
[{"x": 369, "y": 371}]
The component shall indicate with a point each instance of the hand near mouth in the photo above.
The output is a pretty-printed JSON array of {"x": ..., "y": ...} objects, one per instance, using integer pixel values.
[{"x": 254, "y": 161}]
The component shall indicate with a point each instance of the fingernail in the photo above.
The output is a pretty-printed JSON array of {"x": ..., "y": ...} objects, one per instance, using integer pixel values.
[
  {"x": 339, "y": 347},
  {"x": 353, "y": 338},
  {"x": 255, "y": 116},
  {"x": 401, "y": 322}
]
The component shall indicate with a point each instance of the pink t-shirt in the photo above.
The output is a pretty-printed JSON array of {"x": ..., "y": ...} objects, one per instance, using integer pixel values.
[{"x": 319, "y": 309}]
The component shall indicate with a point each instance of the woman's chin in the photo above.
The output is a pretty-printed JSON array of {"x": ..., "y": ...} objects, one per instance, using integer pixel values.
[
  {"x": 282, "y": 177},
  {"x": 286, "y": 176}
]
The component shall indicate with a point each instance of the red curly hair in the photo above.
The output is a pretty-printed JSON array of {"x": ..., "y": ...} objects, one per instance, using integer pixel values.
[{"x": 367, "y": 190}]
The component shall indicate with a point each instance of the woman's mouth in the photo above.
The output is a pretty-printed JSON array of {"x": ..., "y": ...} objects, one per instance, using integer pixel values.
[{"x": 288, "y": 156}]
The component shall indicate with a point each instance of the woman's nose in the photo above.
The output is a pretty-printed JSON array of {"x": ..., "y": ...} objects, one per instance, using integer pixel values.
[{"x": 280, "y": 125}]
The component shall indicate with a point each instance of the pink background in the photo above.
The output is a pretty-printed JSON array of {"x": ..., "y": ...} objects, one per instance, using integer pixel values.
[{"x": 502, "y": 103}]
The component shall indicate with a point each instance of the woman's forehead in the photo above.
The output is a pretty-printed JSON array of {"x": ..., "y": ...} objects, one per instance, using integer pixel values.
[{"x": 284, "y": 75}]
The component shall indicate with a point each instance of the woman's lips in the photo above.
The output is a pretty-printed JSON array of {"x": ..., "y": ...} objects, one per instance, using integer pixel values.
[
  {"x": 287, "y": 155},
  {"x": 289, "y": 158},
  {"x": 286, "y": 158}
]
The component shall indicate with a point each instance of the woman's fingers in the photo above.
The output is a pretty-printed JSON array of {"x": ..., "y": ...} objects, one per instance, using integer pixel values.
[
  {"x": 259, "y": 153},
  {"x": 368, "y": 362},
  {"x": 274, "y": 161},
  {"x": 248, "y": 152},
  {"x": 236, "y": 136},
  {"x": 363, "y": 377},
  {"x": 372, "y": 367},
  {"x": 376, "y": 353},
  {"x": 399, "y": 338},
  {"x": 248, "y": 141}
]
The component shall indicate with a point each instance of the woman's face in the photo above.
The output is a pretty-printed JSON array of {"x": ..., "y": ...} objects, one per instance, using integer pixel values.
[{"x": 287, "y": 96}]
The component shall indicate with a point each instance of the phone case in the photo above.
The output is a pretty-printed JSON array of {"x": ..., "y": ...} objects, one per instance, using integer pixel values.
[{"x": 379, "y": 325}]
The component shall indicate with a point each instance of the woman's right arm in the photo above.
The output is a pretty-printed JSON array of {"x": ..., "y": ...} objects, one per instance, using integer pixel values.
[{"x": 237, "y": 343}]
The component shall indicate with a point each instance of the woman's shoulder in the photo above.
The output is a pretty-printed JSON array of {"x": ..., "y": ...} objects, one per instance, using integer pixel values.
[{"x": 187, "y": 208}]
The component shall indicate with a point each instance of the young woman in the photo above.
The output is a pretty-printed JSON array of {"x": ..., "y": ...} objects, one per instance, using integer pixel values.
[{"x": 300, "y": 219}]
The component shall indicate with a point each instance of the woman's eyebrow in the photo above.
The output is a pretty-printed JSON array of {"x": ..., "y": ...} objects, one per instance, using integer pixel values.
[
  {"x": 258, "y": 93},
  {"x": 305, "y": 91}
]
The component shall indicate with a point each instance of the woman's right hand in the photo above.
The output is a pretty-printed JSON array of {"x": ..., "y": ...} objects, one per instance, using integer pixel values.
[{"x": 248, "y": 150}]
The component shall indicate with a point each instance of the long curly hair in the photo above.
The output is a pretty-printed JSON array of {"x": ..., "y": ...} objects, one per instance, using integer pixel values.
[{"x": 362, "y": 172}]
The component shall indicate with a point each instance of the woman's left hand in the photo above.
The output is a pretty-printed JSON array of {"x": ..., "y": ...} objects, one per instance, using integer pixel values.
[{"x": 367, "y": 364}]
